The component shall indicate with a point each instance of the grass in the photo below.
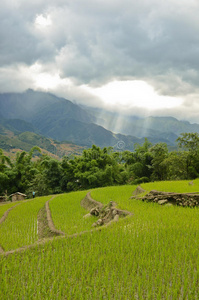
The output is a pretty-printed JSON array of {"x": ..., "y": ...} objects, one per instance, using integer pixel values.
[{"x": 151, "y": 255}]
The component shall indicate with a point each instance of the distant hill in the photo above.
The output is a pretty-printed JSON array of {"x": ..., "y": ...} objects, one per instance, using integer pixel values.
[
  {"x": 17, "y": 125},
  {"x": 24, "y": 105},
  {"x": 32, "y": 105},
  {"x": 155, "y": 128},
  {"x": 11, "y": 143},
  {"x": 44, "y": 114},
  {"x": 56, "y": 118}
]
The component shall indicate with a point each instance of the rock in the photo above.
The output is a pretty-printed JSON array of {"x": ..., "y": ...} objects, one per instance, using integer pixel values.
[
  {"x": 114, "y": 212},
  {"x": 94, "y": 211},
  {"x": 116, "y": 218},
  {"x": 87, "y": 216},
  {"x": 182, "y": 199},
  {"x": 161, "y": 202},
  {"x": 138, "y": 190},
  {"x": 99, "y": 222}
]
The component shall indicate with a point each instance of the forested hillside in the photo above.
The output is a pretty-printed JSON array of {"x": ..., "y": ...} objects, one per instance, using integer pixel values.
[{"x": 98, "y": 167}]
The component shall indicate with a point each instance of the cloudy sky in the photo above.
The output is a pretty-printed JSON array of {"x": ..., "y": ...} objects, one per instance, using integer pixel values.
[{"x": 141, "y": 56}]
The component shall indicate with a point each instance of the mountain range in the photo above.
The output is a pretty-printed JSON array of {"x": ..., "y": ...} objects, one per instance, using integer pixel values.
[{"x": 54, "y": 118}]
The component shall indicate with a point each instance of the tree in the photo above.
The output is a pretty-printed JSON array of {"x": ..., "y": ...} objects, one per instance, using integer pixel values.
[
  {"x": 5, "y": 161},
  {"x": 53, "y": 174},
  {"x": 142, "y": 160},
  {"x": 189, "y": 142},
  {"x": 68, "y": 181},
  {"x": 176, "y": 165},
  {"x": 159, "y": 153},
  {"x": 23, "y": 170}
]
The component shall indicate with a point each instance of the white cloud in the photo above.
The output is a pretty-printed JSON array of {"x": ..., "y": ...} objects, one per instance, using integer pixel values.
[
  {"x": 42, "y": 21},
  {"x": 93, "y": 43},
  {"x": 134, "y": 94}
]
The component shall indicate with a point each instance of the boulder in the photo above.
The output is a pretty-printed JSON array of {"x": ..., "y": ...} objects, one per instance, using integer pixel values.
[
  {"x": 161, "y": 202},
  {"x": 138, "y": 190},
  {"x": 100, "y": 222},
  {"x": 87, "y": 216},
  {"x": 94, "y": 211},
  {"x": 116, "y": 218}
]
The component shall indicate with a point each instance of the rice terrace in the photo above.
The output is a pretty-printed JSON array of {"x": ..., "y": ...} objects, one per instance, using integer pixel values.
[{"x": 53, "y": 248}]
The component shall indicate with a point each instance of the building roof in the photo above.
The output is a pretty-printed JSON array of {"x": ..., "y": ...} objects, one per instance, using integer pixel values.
[{"x": 18, "y": 193}]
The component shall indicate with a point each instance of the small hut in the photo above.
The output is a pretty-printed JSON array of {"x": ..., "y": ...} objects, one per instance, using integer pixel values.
[
  {"x": 2, "y": 198},
  {"x": 17, "y": 196}
]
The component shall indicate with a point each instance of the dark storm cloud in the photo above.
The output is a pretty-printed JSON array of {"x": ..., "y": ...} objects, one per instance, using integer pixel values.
[{"x": 94, "y": 42}]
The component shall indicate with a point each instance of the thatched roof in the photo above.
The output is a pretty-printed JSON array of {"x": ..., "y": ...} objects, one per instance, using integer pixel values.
[{"x": 18, "y": 193}]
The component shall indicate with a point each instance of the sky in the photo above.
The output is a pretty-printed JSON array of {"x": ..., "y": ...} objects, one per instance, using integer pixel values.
[{"x": 136, "y": 57}]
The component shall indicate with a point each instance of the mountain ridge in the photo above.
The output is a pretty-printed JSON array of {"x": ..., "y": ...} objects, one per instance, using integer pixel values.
[{"x": 62, "y": 120}]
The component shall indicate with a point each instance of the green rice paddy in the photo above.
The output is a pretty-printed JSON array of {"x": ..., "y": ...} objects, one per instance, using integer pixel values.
[{"x": 153, "y": 254}]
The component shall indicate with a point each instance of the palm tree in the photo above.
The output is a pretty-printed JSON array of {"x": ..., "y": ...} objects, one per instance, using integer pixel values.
[{"x": 4, "y": 161}]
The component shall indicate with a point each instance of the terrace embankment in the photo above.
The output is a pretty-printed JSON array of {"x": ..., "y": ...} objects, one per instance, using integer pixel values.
[
  {"x": 88, "y": 203},
  {"x": 180, "y": 199},
  {"x": 43, "y": 228},
  {"x": 50, "y": 221},
  {"x": 105, "y": 213}
]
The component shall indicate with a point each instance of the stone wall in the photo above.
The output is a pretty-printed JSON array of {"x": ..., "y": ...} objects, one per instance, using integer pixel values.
[{"x": 181, "y": 199}]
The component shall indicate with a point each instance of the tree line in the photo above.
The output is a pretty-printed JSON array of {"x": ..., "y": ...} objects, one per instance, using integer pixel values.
[{"x": 98, "y": 167}]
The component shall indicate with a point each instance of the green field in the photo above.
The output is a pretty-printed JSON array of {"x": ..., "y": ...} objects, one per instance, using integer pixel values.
[
  {"x": 67, "y": 213},
  {"x": 150, "y": 255},
  {"x": 20, "y": 227},
  {"x": 5, "y": 207}
]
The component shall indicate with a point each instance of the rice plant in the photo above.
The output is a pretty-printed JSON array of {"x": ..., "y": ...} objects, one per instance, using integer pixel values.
[
  {"x": 20, "y": 227},
  {"x": 151, "y": 255},
  {"x": 5, "y": 207},
  {"x": 68, "y": 214}
]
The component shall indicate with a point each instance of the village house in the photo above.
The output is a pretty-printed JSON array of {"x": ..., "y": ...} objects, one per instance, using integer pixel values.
[
  {"x": 17, "y": 196},
  {"x": 2, "y": 198}
]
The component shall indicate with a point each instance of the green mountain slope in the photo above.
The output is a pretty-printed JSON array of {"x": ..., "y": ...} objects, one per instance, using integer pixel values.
[
  {"x": 142, "y": 127},
  {"x": 60, "y": 119},
  {"x": 32, "y": 105},
  {"x": 17, "y": 125},
  {"x": 11, "y": 143},
  {"x": 62, "y": 111}
]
